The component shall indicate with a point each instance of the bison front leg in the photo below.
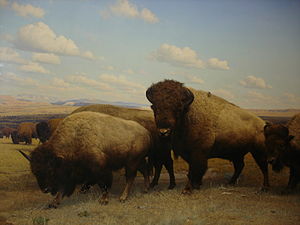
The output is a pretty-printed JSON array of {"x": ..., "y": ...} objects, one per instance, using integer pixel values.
[
  {"x": 105, "y": 182},
  {"x": 238, "y": 164},
  {"x": 143, "y": 168},
  {"x": 130, "y": 175},
  {"x": 56, "y": 201},
  {"x": 293, "y": 180},
  {"x": 261, "y": 160},
  {"x": 158, "y": 167},
  {"x": 169, "y": 166},
  {"x": 197, "y": 168}
]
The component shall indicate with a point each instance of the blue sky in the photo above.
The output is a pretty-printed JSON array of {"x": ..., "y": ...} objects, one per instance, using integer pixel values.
[{"x": 247, "y": 52}]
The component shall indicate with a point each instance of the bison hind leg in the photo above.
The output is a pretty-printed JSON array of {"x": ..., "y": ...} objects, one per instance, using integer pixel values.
[
  {"x": 143, "y": 168},
  {"x": 238, "y": 164},
  {"x": 105, "y": 183}
]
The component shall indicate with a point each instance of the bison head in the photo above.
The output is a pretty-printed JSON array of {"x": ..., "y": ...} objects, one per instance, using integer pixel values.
[
  {"x": 277, "y": 141},
  {"x": 170, "y": 101},
  {"x": 50, "y": 171}
]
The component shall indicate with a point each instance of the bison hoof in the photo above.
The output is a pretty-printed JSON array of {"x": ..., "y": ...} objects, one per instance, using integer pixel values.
[
  {"x": 264, "y": 189},
  {"x": 52, "y": 205},
  {"x": 103, "y": 201},
  {"x": 122, "y": 200},
  {"x": 153, "y": 184},
  {"x": 186, "y": 191},
  {"x": 171, "y": 186},
  {"x": 286, "y": 191}
]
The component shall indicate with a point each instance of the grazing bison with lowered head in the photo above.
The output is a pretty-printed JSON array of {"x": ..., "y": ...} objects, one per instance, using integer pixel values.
[
  {"x": 85, "y": 149},
  {"x": 46, "y": 128},
  {"x": 43, "y": 131},
  {"x": 283, "y": 149},
  {"x": 201, "y": 126},
  {"x": 7, "y": 131},
  {"x": 25, "y": 132},
  {"x": 160, "y": 154}
]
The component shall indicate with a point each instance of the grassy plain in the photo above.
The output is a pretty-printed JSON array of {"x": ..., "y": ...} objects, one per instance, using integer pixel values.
[{"x": 22, "y": 203}]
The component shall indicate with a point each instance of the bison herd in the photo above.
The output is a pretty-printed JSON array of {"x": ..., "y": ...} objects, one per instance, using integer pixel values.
[{"x": 86, "y": 146}]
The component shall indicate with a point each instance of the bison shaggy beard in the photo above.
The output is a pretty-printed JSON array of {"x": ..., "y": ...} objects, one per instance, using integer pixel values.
[{"x": 51, "y": 172}]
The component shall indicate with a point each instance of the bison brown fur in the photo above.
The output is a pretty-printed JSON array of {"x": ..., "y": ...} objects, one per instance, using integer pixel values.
[
  {"x": 160, "y": 154},
  {"x": 283, "y": 149},
  {"x": 46, "y": 128},
  {"x": 25, "y": 132},
  {"x": 201, "y": 126},
  {"x": 85, "y": 149}
]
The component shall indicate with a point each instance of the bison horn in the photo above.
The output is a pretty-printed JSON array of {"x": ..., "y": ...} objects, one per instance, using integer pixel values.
[
  {"x": 25, "y": 155},
  {"x": 189, "y": 97},
  {"x": 149, "y": 94}
]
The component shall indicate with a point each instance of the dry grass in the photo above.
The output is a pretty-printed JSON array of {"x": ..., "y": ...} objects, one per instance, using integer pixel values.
[{"x": 22, "y": 202}]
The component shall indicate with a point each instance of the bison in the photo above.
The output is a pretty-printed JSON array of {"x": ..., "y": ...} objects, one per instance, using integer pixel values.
[
  {"x": 7, "y": 131},
  {"x": 25, "y": 132},
  {"x": 283, "y": 149},
  {"x": 85, "y": 149},
  {"x": 46, "y": 128},
  {"x": 160, "y": 154},
  {"x": 200, "y": 126}
]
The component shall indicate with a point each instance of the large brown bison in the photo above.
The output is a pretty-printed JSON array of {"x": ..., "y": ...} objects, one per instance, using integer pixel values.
[
  {"x": 85, "y": 149},
  {"x": 46, "y": 128},
  {"x": 160, "y": 154},
  {"x": 200, "y": 125},
  {"x": 25, "y": 132},
  {"x": 283, "y": 148}
]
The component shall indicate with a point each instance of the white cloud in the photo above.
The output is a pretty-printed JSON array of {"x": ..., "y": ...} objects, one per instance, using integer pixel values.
[
  {"x": 83, "y": 80},
  {"x": 120, "y": 82},
  {"x": 215, "y": 63},
  {"x": 184, "y": 57},
  {"x": 11, "y": 56},
  {"x": 148, "y": 16},
  {"x": 17, "y": 80},
  {"x": 254, "y": 82},
  {"x": 39, "y": 37},
  {"x": 125, "y": 8},
  {"x": 46, "y": 58},
  {"x": 89, "y": 55},
  {"x": 28, "y": 10},
  {"x": 57, "y": 82},
  {"x": 33, "y": 67},
  {"x": 224, "y": 94},
  {"x": 3, "y": 3},
  {"x": 194, "y": 79}
]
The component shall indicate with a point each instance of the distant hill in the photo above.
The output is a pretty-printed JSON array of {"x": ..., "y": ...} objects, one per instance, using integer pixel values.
[
  {"x": 82, "y": 102},
  {"x": 275, "y": 112},
  {"x": 30, "y": 104}
]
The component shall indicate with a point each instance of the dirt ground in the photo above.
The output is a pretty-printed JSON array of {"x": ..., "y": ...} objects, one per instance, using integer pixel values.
[{"x": 23, "y": 203}]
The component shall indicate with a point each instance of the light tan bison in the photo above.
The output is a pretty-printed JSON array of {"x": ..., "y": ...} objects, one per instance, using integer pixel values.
[
  {"x": 160, "y": 154},
  {"x": 85, "y": 149}
]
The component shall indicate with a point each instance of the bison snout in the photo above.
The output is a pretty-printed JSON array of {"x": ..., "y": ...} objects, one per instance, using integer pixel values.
[
  {"x": 272, "y": 160},
  {"x": 46, "y": 190},
  {"x": 164, "y": 132}
]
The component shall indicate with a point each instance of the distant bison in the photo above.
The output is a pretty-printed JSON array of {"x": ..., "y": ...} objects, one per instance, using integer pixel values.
[
  {"x": 160, "y": 154},
  {"x": 85, "y": 149},
  {"x": 46, "y": 128},
  {"x": 25, "y": 132},
  {"x": 283, "y": 148},
  {"x": 200, "y": 125},
  {"x": 7, "y": 131}
]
